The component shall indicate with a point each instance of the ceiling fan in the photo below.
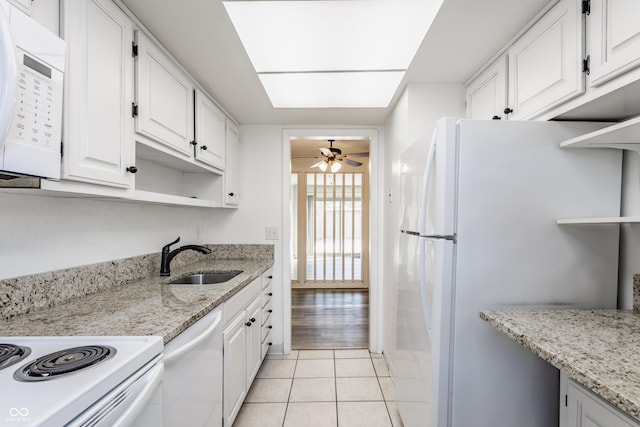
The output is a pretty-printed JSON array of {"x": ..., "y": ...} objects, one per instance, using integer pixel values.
[{"x": 332, "y": 157}]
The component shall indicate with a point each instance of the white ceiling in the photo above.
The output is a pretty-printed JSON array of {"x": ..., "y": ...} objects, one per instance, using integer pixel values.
[{"x": 464, "y": 35}]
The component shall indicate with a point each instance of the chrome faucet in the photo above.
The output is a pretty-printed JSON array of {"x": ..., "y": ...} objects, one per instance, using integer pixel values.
[{"x": 167, "y": 255}]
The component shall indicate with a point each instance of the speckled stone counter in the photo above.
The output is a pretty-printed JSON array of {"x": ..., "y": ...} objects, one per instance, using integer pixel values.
[
  {"x": 142, "y": 307},
  {"x": 598, "y": 348}
]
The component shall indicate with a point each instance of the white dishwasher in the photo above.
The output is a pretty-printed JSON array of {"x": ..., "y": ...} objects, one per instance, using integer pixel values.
[{"x": 193, "y": 375}]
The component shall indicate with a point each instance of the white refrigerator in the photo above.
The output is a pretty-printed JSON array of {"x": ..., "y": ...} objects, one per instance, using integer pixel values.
[{"x": 479, "y": 205}]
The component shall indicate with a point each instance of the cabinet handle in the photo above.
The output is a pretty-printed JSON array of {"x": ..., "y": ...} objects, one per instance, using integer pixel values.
[
  {"x": 270, "y": 343},
  {"x": 496, "y": 118},
  {"x": 270, "y": 311},
  {"x": 231, "y": 194},
  {"x": 204, "y": 147},
  {"x": 132, "y": 169},
  {"x": 508, "y": 110},
  {"x": 248, "y": 323},
  {"x": 269, "y": 326},
  {"x": 194, "y": 142},
  {"x": 270, "y": 294},
  {"x": 269, "y": 277},
  {"x": 253, "y": 319}
]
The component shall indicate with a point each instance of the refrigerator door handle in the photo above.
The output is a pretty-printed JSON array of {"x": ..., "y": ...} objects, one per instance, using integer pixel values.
[
  {"x": 453, "y": 237},
  {"x": 424, "y": 205}
]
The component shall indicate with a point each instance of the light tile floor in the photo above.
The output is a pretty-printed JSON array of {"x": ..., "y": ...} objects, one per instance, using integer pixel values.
[{"x": 345, "y": 388}]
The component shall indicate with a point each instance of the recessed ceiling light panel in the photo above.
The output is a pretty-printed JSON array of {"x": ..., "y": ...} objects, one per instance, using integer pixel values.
[
  {"x": 331, "y": 35},
  {"x": 331, "y": 90}
]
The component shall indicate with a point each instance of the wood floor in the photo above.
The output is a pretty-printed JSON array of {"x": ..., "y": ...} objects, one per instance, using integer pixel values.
[{"x": 329, "y": 318}]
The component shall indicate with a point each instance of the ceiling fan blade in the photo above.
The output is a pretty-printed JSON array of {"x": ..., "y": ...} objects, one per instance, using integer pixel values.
[
  {"x": 325, "y": 152},
  {"x": 357, "y": 155},
  {"x": 351, "y": 162}
]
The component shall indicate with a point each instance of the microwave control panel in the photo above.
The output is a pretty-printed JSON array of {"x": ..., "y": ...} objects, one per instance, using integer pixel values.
[{"x": 37, "y": 120}]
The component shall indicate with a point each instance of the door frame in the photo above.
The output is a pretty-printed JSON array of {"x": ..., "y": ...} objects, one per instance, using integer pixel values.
[{"x": 376, "y": 181}]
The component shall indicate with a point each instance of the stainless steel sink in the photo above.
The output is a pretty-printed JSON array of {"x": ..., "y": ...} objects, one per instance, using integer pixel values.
[{"x": 205, "y": 278}]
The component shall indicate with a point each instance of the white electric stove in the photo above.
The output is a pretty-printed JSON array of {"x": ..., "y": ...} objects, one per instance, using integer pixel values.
[{"x": 81, "y": 381}]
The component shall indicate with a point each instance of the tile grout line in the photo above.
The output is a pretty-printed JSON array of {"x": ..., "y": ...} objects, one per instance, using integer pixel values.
[
  {"x": 335, "y": 385},
  {"x": 286, "y": 408}
]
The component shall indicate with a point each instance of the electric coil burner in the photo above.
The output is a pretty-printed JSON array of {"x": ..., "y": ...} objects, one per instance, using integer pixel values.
[
  {"x": 64, "y": 362},
  {"x": 11, "y": 354}
]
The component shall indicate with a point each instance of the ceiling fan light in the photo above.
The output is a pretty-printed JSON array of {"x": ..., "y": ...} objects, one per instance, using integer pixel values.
[
  {"x": 335, "y": 167},
  {"x": 322, "y": 166}
]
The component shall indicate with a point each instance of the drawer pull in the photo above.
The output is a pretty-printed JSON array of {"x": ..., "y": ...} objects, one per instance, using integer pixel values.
[
  {"x": 248, "y": 323},
  {"x": 269, "y": 277},
  {"x": 270, "y": 294},
  {"x": 269, "y": 326},
  {"x": 253, "y": 319},
  {"x": 270, "y": 311}
]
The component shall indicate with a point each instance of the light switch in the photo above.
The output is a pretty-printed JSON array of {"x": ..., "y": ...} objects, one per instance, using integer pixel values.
[{"x": 271, "y": 233}]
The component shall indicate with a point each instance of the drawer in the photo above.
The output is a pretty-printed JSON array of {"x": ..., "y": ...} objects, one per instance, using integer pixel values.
[
  {"x": 265, "y": 346},
  {"x": 266, "y": 329},
  {"x": 266, "y": 311},
  {"x": 266, "y": 278},
  {"x": 240, "y": 300},
  {"x": 267, "y": 294}
]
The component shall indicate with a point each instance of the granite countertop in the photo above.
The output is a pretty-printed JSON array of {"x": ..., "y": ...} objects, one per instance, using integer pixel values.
[
  {"x": 142, "y": 307},
  {"x": 600, "y": 349}
]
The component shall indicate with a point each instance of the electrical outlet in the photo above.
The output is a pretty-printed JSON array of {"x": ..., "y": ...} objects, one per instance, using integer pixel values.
[{"x": 271, "y": 233}]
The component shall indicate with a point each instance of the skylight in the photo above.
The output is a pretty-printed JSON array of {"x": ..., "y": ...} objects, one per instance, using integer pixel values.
[{"x": 346, "y": 48}]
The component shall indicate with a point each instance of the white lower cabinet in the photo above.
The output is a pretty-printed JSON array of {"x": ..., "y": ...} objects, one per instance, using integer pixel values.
[
  {"x": 242, "y": 350},
  {"x": 267, "y": 311},
  {"x": 580, "y": 407}
]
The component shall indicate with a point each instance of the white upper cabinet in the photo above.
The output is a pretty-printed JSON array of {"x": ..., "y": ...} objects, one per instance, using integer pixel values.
[
  {"x": 614, "y": 38},
  {"x": 231, "y": 195},
  {"x": 164, "y": 97},
  {"x": 98, "y": 127},
  {"x": 210, "y": 143},
  {"x": 545, "y": 62},
  {"x": 487, "y": 93}
]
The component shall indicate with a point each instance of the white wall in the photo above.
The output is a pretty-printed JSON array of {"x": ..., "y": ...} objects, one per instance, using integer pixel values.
[
  {"x": 39, "y": 234},
  {"x": 416, "y": 113},
  {"x": 629, "y": 233}
]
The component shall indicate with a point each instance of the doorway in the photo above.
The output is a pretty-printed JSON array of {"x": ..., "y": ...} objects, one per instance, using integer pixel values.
[{"x": 329, "y": 243}]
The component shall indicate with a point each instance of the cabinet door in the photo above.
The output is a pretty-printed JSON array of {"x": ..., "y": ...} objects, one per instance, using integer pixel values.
[
  {"x": 165, "y": 98},
  {"x": 614, "y": 38},
  {"x": 545, "y": 64},
  {"x": 586, "y": 410},
  {"x": 98, "y": 126},
  {"x": 210, "y": 147},
  {"x": 487, "y": 93},
  {"x": 254, "y": 341},
  {"x": 231, "y": 195},
  {"x": 235, "y": 367}
]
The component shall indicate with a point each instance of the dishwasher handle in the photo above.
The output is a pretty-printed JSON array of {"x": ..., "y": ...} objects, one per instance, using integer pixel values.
[{"x": 178, "y": 352}]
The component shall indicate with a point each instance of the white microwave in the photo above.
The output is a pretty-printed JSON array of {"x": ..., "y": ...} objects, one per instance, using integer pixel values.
[{"x": 31, "y": 86}]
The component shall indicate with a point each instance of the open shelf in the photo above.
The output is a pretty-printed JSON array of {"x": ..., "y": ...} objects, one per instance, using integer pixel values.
[
  {"x": 624, "y": 135},
  {"x": 170, "y": 199},
  {"x": 609, "y": 220}
]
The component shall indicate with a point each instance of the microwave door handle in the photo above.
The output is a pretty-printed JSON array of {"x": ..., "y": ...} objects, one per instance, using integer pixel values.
[
  {"x": 426, "y": 187},
  {"x": 8, "y": 77}
]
